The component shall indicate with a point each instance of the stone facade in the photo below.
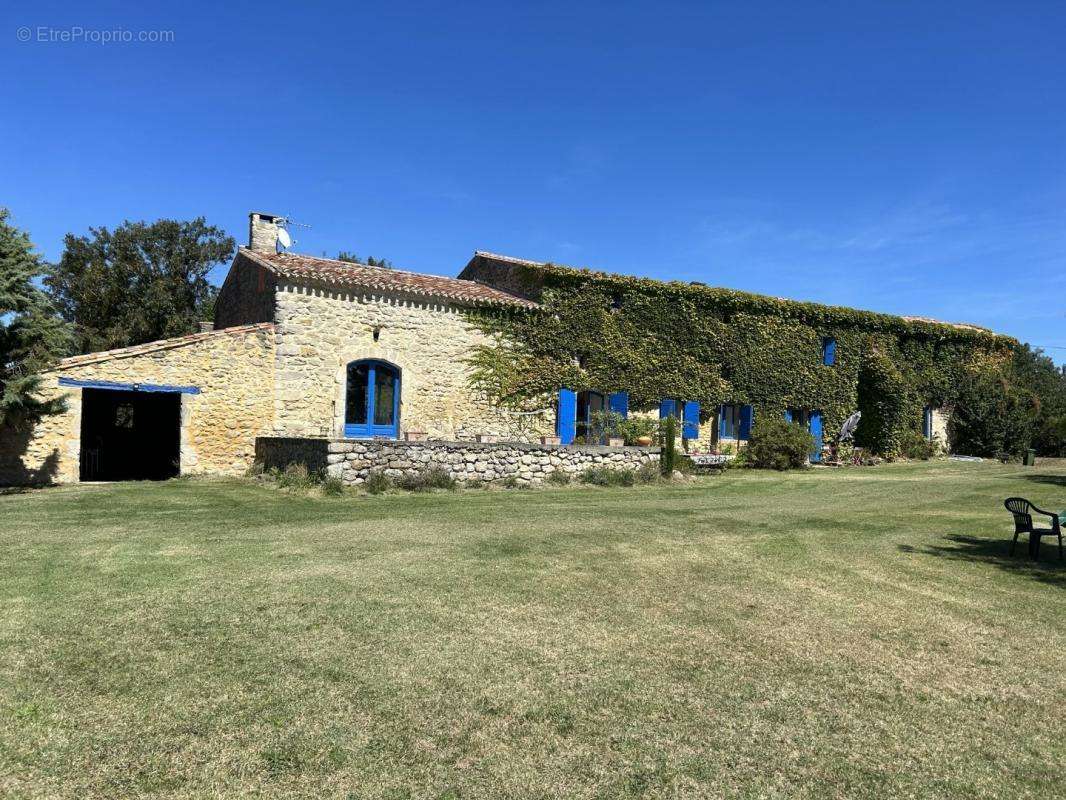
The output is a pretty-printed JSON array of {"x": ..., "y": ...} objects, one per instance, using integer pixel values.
[
  {"x": 529, "y": 464},
  {"x": 321, "y": 330},
  {"x": 233, "y": 369},
  {"x": 246, "y": 296},
  {"x": 941, "y": 418},
  {"x": 286, "y": 329}
]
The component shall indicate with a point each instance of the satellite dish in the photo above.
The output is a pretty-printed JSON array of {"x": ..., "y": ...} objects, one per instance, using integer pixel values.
[{"x": 284, "y": 239}]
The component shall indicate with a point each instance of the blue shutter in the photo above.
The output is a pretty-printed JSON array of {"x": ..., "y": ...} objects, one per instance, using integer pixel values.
[
  {"x": 667, "y": 408},
  {"x": 619, "y": 403},
  {"x": 746, "y": 415},
  {"x": 829, "y": 352},
  {"x": 566, "y": 419},
  {"x": 788, "y": 415},
  {"x": 723, "y": 424},
  {"x": 816, "y": 432},
  {"x": 690, "y": 428},
  {"x": 927, "y": 422}
]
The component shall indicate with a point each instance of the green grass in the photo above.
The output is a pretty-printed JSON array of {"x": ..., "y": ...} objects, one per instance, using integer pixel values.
[{"x": 857, "y": 633}]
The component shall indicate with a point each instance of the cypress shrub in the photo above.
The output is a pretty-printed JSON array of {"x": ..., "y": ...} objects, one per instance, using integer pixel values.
[{"x": 668, "y": 452}]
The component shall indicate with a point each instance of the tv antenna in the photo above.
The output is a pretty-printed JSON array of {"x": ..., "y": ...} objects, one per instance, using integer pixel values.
[{"x": 284, "y": 238}]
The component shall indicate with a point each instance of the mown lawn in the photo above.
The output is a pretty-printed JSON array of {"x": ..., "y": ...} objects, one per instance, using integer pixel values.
[{"x": 855, "y": 633}]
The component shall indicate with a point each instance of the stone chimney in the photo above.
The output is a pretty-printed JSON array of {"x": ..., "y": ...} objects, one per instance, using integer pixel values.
[{"x": 263, "y": 232}]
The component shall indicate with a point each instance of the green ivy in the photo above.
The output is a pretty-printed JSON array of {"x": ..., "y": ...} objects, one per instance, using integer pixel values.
[{"x": 603, "y": 332}]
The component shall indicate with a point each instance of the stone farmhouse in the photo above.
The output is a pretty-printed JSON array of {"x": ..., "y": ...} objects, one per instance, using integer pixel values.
[{"x": 339, "y": 365}]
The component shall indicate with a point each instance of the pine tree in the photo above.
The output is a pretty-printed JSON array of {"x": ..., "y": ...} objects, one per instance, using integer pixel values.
[{"x": 31, "y": 335}]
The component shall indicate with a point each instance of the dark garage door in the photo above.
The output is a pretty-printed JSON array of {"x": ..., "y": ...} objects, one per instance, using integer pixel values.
[{"x": 129, "y": 436}]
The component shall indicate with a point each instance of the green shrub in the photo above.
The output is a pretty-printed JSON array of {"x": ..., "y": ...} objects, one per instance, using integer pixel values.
[
  {"x": 296, "y": 476},
  {"x": 377, "y": 482},
  {"x": 474, "y": 483},
  {"x": 256, "y": 470},
  {"x": 605, "y": 476},
  {"x": 559, "y": 478},
  {"x": 332, "y": 486},
  {"x": 510, "y": 482},
  {"x": 740, "y": 460},
  {"x": 648, "y": 472},
  {"x": 426, "y": 480},
  {"x": 776, "y": 444},
  {"x": 916, "y": 447}
]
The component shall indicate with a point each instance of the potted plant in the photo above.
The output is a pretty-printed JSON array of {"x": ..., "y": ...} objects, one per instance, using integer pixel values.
[{"x": 637, "y": 431}]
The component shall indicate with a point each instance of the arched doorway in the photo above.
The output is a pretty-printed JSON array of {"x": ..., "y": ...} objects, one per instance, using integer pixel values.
[{"x": 372, "y": 400}]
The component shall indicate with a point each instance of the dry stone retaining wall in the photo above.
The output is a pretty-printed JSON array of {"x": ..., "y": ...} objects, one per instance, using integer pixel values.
[{"x": 529, "y": 464}]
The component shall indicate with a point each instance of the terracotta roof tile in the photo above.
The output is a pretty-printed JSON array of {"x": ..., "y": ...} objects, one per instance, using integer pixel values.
[
  {"x": 343, "y": 273},
  {"x": 161, "y": 344}
]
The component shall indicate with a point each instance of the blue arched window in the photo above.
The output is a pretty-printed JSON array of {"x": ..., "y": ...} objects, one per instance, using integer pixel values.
[{"x": 372, "y": 400}]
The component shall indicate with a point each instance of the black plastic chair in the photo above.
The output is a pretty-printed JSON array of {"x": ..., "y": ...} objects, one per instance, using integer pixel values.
[{"x": 1023, "y": 512}]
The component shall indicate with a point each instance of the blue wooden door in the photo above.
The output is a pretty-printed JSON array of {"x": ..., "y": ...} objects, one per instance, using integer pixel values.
[
  {"x": 372, "y": 401},
  {"x": 690, "y": 420},
  {"x": 566, "y": 418},
  {"x": 814, "y": 425}
]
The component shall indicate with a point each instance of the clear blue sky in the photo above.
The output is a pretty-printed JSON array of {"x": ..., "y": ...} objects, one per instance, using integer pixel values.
[{"x": 902, "y": 157}]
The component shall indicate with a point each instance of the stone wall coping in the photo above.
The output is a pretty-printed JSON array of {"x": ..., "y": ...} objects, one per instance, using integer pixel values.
[{"x": 455, "y": 445}]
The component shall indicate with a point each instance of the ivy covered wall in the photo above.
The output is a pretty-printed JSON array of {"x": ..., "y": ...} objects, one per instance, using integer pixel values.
[{"x": 604, "y": 332}]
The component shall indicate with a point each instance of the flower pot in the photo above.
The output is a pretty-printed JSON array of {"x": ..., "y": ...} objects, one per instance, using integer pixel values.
[
  {"x": 550, "y": 440},
  {"x": 416, "y": 436},
  {"x": 616, "y": 441},
  {"x": 644, "y": 441},
  {"x": 488, "y": 438}
]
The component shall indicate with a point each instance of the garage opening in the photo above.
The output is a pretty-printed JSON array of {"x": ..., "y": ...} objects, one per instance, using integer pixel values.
[{"x": 130, "y": 435}]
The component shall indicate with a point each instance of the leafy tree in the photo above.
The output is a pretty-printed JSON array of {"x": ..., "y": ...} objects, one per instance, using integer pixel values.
[
  {"x": 370, "y": 261},
  {"x": 1040, "y": 376},
  {"x": 31, "y": 335},
  {"x": 141, "y": 282},
  {"x": 994, "y": 415}
]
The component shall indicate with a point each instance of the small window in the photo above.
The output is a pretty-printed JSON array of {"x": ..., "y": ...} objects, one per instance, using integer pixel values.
[
  {"x": 729, "y": 422},
  {"x": 829, "y": 351},
  {"x": 124, "y": 416}
]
